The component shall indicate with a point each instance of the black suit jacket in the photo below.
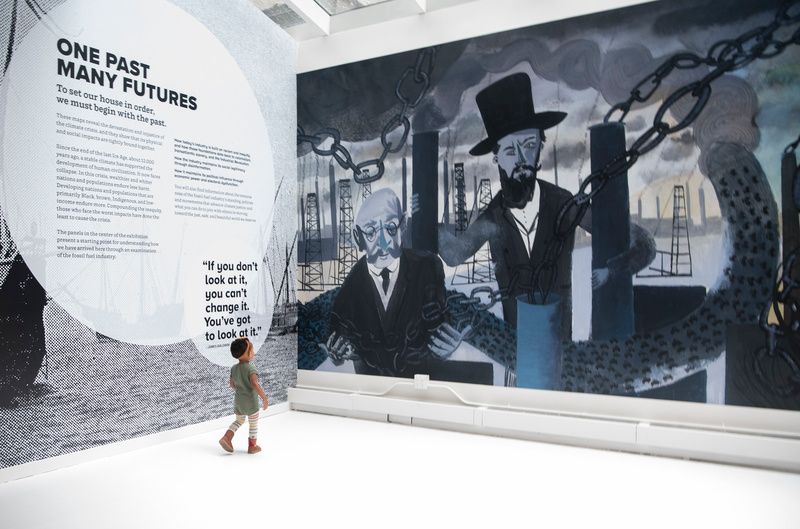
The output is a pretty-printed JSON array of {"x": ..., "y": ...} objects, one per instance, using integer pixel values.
[
  {"x": 497, "y": 226},
  {"x": 510, "y": 254},
  {"x": 394, "y": 341}
]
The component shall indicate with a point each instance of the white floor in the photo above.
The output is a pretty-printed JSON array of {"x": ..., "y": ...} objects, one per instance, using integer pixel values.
[{"x": 321, "y": 471}]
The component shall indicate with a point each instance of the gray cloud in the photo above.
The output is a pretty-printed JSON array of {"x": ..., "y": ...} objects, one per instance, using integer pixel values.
[
  {"x": 359, "y": 98},
  {"x": 444, "y": 104},
  {"x": 569, "y": 155},
  {"x": 636, "y": 124},
  {"x": 678, "y": 148},
  {"x": 779, "y": 116},
  {"x": 579, "y": 64},
  {"x": 728, "y": 117}
]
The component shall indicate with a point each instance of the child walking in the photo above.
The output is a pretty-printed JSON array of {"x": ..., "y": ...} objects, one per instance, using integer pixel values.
[{"x": 244, "y": 379}]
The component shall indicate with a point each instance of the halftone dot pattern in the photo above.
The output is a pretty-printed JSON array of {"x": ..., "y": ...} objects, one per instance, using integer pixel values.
[{"x": 93, "y": 390}]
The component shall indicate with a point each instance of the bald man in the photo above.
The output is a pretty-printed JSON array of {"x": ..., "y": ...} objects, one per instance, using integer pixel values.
[{"x": 382, "y": 317}]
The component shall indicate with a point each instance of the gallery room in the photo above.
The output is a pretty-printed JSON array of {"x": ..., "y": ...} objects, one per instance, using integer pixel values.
[{"x": 399, "y": 263}]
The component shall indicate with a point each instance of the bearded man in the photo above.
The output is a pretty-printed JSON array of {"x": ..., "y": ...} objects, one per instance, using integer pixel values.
[{"x": 520, "y": 221}]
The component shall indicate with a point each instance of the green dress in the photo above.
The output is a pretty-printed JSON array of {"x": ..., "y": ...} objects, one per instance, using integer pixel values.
[{"x": 246, "y": 400}]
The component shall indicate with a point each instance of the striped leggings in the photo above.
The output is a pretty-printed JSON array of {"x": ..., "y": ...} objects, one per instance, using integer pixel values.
[{"x": 252, "y": 419}]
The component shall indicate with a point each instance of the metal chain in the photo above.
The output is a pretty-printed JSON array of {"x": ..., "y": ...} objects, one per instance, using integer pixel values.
[
  {"x": 784, "y": 329},
  {"x": 792, "y": 146},
  {"x": 420, "y": 75},
  {"x": 723, "y": 57}
]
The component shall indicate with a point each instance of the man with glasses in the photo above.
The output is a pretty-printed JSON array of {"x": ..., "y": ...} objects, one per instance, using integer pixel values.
[{"x": 388, "y": 316}]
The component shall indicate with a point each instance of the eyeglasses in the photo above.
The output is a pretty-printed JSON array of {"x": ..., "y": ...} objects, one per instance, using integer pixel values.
[{"x": 371, "y": 232}]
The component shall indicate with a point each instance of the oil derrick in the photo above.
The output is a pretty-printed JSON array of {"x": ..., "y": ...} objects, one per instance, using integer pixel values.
[
  {"x": 464, "y": 272},
  {"x": 677, "y": 262},
  {"x": 680, "y": 252},
  {"x": 312, "y": 268},
  {"x": 461, "y": 199},
  {"x": 482, "y": 271},
  {"x": 366, "y": 190},
  {"x": 346, "y": 256}
]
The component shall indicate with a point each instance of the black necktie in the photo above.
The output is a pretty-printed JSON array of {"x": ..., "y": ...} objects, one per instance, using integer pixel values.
[{"x": 385, "y": 276}]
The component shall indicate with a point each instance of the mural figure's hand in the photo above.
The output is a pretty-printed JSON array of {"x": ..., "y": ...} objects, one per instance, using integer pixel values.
[
  {"x": 600, "y": 277},
  {"x": 446, "y": 339},
  {"x": 338, "y": 349}
]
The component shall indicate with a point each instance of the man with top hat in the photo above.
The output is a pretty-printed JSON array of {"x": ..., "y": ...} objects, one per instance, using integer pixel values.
[{"x": 519, "y": 222}]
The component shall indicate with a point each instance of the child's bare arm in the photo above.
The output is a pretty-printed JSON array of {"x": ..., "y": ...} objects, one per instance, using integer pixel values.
[
  {"x": 231, "y": 384},
  {"x": 259, "y": 389}
]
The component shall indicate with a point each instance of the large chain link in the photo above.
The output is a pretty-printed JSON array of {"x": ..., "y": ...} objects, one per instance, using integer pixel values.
[
  {"x": 723, "y": 57},
  {"x": 410, "y": 89}
]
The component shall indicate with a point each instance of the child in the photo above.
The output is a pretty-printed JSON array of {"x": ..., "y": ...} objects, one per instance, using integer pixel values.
[{"x": 244, "y": 379}]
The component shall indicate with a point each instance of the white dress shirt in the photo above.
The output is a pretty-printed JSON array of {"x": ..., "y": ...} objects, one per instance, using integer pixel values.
[
  {"x": 526, "y": 219},
  {"x": 375, "y": 272}
]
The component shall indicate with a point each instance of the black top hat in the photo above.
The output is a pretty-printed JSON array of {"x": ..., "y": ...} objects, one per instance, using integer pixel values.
[{"x": 507, "y": 106}]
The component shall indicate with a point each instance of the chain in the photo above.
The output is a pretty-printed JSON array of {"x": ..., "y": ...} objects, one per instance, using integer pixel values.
[
  {"x": 792, "y": 146},
  {"x": 723, "y": 57},
  {"x": 418, "y": 75},
  {"x": 785, "y": 329}
]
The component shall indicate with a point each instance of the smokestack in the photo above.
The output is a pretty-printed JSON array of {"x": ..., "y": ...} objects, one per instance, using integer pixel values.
[
  {"x": 320, "y": 210},
  {"x": 332, "y": 184},
  {"x": 702, "y": 196},
  {"x": 612, "y": 303},
  {"x": 555, "y": 163},
  {"x": 445, "y": 181},
  {"x": 425, "y": 185},
  {"x": 405, "y": 184},
  {"x": 688, "y": 206},
  {"x": 302, "y": 221}
]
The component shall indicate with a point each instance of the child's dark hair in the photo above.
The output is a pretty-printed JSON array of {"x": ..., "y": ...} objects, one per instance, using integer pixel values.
[{"x": 239, "y": 346}]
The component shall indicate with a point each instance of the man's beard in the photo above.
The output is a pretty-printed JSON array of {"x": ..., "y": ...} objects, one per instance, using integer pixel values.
[{"x": 519, "y": 187}]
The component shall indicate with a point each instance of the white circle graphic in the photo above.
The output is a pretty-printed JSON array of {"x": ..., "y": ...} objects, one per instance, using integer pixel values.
[{"x": 137, "y": 175}]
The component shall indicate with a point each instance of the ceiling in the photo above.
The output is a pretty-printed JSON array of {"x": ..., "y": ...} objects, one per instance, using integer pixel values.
[{"x": 308, "y": 19}]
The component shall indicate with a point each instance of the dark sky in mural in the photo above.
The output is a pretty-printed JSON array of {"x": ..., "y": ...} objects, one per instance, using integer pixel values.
[{"x": 582, "y": 67}]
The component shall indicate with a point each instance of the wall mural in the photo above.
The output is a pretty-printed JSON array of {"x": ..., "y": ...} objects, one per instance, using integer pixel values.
[{"x": 606, "y": 204}]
